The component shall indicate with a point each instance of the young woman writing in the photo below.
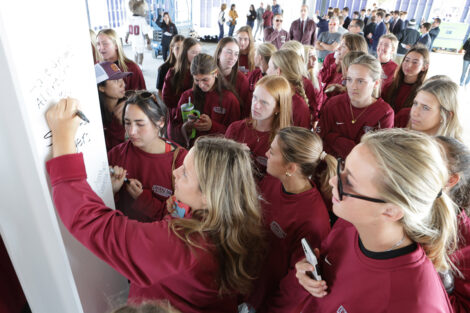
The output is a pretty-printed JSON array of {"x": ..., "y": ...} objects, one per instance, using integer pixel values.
[{"x": 199, "y": 263}]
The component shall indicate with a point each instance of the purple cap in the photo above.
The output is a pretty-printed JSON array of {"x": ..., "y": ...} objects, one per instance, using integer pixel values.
[{"x": 108, "y": 71}]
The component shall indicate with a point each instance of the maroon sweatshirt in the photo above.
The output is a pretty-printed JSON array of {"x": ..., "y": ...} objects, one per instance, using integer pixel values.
[
  {"x": 407, "y": 283},
  {"x": 288, "y": 219},
  {"x": 154, "y": 171},
  {"x": 158, "y": 264},
  {"x": 338, "y": 132}
]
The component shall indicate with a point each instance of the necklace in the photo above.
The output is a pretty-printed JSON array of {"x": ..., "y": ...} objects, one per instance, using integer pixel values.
[
  {"x": 354, "y": 120},
  {"x": 397, "y": 244}
]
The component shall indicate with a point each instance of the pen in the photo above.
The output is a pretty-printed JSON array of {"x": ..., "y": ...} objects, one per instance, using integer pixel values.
[
  {"x": 126, "y": 180},
  {"x": 82, "y": 116}
]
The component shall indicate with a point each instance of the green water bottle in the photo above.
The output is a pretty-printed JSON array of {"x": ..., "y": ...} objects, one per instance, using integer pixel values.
[{"x": 186, "y": 110}]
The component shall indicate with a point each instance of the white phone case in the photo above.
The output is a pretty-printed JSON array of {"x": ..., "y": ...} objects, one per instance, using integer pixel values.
[{"x": 311, "y": 258}]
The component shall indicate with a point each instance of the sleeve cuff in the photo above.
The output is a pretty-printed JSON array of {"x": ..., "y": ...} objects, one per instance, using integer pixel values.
[{"x": 66, "y": 168}]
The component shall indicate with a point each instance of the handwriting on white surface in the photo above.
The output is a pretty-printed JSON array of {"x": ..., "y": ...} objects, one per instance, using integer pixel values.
[{"x": 54, "y": 84}]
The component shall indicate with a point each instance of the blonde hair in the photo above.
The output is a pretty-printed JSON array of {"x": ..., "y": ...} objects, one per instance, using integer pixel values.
[
  {"x": 413, "y": 173},
  {"x": 355, "y": 42},
  {"x": 232, "y": 221},
  {"x": 348, "y": 58},
  {"x": 312, "y": 75},
  {"x": 122, "y": 59},
  {"x": 393, "y": 40},
  {"x": 375, "y": 70},
  {"x": 266, "y": 50},
  {"x": 251, "y": 46},
  {"x": 278, "y": 87},
  {"x": 96, "y": 54},
  {"x": 295, "y": 46},
  {"x": 446, "y": 93},
  {"x": 223, "y": 6},
  {"x": 292, "y": 68},
  {"x": 301, "y": 146}
]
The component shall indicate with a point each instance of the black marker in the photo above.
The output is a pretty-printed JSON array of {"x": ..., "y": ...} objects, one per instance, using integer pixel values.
[
  {"x": 126, "y": 180},
  {"x": 82, "y": 116}
]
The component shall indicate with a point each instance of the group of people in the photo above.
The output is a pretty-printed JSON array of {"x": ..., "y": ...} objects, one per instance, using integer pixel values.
[{"x": 243, "y": 153}]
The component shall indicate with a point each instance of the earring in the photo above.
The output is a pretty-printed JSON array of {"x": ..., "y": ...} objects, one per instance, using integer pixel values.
[{"x": 288, "y": 174}]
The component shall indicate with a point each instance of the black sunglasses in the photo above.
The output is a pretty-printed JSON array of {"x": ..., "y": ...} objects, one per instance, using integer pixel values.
[
  {"x": 143, "y": 94},
  {"x": 341, "y": 193}
]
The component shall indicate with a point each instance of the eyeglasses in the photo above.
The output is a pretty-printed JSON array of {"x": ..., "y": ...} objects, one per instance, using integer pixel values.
[
  {"x": 341, "y": 193},
  {"x": 278, "y": 20}
]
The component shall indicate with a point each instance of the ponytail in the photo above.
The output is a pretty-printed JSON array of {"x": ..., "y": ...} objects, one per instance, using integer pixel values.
[
  {"x": 301, "y": 146},
  {"x": 325, "y": 171},
  {"x": 443, "y": 242}
]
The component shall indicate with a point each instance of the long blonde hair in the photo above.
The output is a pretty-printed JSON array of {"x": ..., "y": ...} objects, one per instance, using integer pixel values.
[
  {"x": 251, "y": 46},
  {"x": 301, "y": 146},
  {"x": 232, "y": 221},
  {"x": 413, "y": 173},
  {"x": 278, "y": 87},
  {"x": 265, "y": 51},
  {"x": 446, "y": 93},
  {"x": 292, "y": 68},
  {"x": 122, "y": 59},
  {"x": 96, "y": 54}
]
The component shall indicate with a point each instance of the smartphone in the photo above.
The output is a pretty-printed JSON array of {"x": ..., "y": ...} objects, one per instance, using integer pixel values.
[{"x": 311, "y": 258}]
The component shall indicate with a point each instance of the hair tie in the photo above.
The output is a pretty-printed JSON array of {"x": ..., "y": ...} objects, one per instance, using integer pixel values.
[
  {"x": 322, "y": 155},
  {"x": 439, "y": 194}
]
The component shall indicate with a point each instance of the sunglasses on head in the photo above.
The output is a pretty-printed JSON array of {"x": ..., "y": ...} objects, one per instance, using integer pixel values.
[{"x": 143, "y": 94}]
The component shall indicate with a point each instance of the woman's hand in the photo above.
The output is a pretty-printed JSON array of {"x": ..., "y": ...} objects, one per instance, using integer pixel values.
[
  {"x": 204, "y": 123},
  {"x": 134, "y": 188},
  {"x": 63, "y": 123},
  {"x": 316, "y": 288},
  {"x": 335, "y": 88},
  {"x": 117, "y": 177}
]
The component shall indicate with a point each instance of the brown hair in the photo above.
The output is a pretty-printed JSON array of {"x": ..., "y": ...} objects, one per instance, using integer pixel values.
[
  {"x": 301, "y": 146},
  {"x": 251, "y": 46},
  {"x": 391, "y": 95},
  {"x": 182, "y": 65}
]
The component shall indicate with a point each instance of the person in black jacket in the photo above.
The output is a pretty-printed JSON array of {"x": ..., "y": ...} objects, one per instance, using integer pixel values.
[
  {"x": 251, "y": 17},
  {"x": 466, "y": 63},
  {"x": 407, "y": 38},
  {"x": 168, "y": 31},
  {"x": 434, "y": 32}
]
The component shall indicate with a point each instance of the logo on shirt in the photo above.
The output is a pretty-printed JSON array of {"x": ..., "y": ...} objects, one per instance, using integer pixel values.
[
  {"x": 341, "y": 309},
  {"x": 161, "y": 191},
  {"x": 262, "y": 160},
  {"x": 219, "y": 110},
  {"x": 277, "y": 230}
]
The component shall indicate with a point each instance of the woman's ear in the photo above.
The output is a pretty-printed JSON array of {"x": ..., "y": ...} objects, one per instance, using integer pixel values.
[
  {"x": 160, "y": 123},
  {"x": 101, "y": 88},
  {"x": 453, "y": 180},
  {"x": 393, "y": 212}
]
